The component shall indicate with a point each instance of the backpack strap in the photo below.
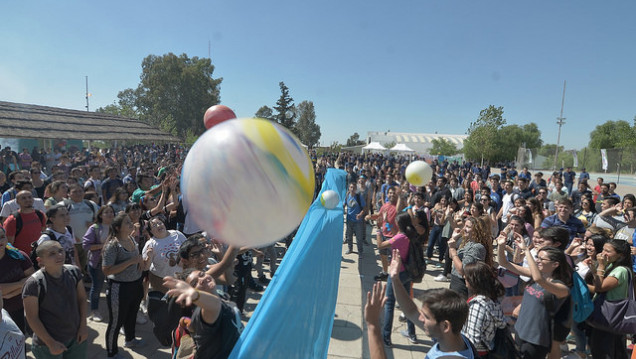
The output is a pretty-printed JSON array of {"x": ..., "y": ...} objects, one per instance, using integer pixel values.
[
  {"x": 18, "y": 222},
  {"x": 41, "y": 279}
]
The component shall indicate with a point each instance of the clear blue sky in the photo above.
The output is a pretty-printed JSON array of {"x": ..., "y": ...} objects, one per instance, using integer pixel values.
[{"x": 407, "y": 66}]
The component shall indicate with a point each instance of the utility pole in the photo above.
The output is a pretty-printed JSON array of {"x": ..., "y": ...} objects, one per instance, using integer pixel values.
[
  {"x": 560, "y": 122},
  {"x": 87, "y": 94}
]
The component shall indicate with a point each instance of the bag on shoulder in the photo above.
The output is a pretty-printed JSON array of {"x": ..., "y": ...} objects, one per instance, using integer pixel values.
[
  {"x": 582, "y": 305},
  {"x": 182, "y": 343},
  {"x": 53, "y": 237},
  {"x": 415, "y": 263},
  {"x": 614, "y": 316},
  {"x": 504, "y": 346},
  {"x": 41, "y": 279}
]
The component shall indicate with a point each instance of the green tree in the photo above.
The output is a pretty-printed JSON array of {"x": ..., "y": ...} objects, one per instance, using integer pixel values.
[
  {"x": 285, "y": 110},
  {"x": 444, "y": 147},
  {"x": 265, "y": 112},
  {"x": 306, "y": 128},
  {"x": 613, "y": 134},
  {"x": 354, "y": 140},
  {"x": 482, "y": 134},
  {"x": 173, "y": 93}
]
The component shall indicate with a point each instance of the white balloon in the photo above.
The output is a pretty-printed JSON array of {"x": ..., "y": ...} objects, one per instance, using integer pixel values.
[
  {"x": 329, "y": 199},
  {"x": 418, "y": 173}
]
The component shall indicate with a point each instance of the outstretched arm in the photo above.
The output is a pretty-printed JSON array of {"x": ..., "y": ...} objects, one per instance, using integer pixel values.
[
  {"x": 210, "y": 304},
  {"x": 372, "y": 310}
]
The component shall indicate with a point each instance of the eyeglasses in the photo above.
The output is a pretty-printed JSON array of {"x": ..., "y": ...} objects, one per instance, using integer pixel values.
[{"x": 539, "y": 259}]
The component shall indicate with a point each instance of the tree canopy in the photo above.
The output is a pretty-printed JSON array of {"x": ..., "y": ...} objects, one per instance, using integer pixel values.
[
  {"x": 444, "y": 147},
  {"x": 285, "y": 109},
  {"x": 173, "y": 94},
  {"x": 490, "y": 139},
  {"x": 306, "y": 128},
  {"x": 613, "y": 134},
  {"x": 354, "y": 140}
]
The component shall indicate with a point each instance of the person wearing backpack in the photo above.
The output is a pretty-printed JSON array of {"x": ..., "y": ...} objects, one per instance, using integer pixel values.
[
  {"x": 58, "y": 230},
  {"x": 24, "y": 226},
  {"x": 400, "y": 242},
  {"x": 82, "y": 215},
  {"x": 15, "y": 268},
  {"x": 55, "y": 306}
]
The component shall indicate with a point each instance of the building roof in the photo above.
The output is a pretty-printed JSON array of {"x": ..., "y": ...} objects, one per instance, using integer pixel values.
[{"x": 19, "y": 120}]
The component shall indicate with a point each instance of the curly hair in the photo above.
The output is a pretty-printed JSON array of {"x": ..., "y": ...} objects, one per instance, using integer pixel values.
[{"x": 481, "y": 234}]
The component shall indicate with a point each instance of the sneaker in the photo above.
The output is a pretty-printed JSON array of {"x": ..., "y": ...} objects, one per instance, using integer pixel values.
[
  {"x": 348, "y": 251},
  {"x": 439, "y": 265},
  {"x": 382, "y": 277},
  {"x": 412, "y": 338},
  {"x": 141, "y": 318},
  {"x": 441, "y": 278},
  {"x": 96, "y": 316},
  {"x": 143, "y": 307},
  {"x": 135, "y": 343},
  {"x": 263, "y": 279},
  {"x": 571, "y": 339},
  {"x": 402, "y": 318},
  {"x": 387, "y": 342}
]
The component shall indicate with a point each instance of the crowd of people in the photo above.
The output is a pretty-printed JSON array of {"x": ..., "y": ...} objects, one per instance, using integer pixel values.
[
  {"x": 497, "y": 235},
  {"x": 83, "y": 223}
]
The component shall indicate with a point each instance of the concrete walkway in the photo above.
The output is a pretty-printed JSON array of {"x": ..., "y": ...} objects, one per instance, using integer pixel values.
[{"x": 349, "y": 337}]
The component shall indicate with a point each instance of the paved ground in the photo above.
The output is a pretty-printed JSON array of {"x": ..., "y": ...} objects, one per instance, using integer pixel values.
[{"x": 349, "y": 336}]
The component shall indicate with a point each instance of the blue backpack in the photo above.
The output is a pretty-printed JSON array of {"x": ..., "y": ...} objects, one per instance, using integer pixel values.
[{"x": 582, "y": 305}]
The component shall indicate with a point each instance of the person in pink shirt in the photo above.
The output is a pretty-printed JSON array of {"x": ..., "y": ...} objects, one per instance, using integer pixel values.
[{"x": 399, "y": 242}]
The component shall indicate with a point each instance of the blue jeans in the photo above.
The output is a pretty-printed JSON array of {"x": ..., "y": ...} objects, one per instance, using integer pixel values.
[
  {"x": 97, "y": 277},
  {"x": 358, "y": 229},
  {"x": 389, "y": 306},
  {"x": 436, "y": 236}
]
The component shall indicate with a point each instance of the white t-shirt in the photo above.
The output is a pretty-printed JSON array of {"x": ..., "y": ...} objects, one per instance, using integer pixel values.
[
  {"x": 81, "y": 217},
  {"x": 165, "y": 253},
  {"x": 12, "y": 206}
]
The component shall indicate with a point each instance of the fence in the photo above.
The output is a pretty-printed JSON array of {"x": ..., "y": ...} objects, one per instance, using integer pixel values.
[{"x": 617, "y": 160}]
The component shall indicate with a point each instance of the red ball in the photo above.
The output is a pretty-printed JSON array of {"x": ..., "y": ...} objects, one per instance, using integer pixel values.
[{"x": 217, "y": 114}]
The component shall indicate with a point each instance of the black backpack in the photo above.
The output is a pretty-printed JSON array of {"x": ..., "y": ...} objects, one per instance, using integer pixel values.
[
  {"x": 53, "y": 237},
  {"x": 19, "y": 223},
  {"x": 415, "y": 264},
  {"x": 504, "y": 346}
]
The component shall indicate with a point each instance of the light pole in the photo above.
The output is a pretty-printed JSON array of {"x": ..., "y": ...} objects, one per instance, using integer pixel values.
[{"x": 560, "y": 122}]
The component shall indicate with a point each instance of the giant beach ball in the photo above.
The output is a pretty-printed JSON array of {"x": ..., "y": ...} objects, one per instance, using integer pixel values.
[
  {"x": 418, "y": 173},
  {"x": 248, "y": 182},
  {"x": 217, "y": 114}
]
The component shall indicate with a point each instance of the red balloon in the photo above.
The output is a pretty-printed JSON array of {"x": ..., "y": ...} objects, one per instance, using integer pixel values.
[{"x": 217, "y": 114}]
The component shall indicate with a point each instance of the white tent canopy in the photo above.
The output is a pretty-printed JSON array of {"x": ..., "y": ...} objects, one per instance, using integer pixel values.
[
  {"x": 374, "y": 146},
  {"x": 400, "y": 147}
]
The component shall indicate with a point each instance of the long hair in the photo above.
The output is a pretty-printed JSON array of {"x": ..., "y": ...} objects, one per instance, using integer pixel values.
[
  {"x": 538, "y": 208},
  {"x": 563, "y": 272},
  {"x": 481, "y": 234},
  {"x": 483, "y": 280},
  {"x": 100, "y": 213},
  {"x": 115, "y": 227},
  {"x": 623, "y": 249},
  {"x": 522, "y": 222}
]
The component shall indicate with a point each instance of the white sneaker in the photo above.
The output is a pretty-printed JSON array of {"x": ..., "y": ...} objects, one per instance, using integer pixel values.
[
  {"x": 96, "y": 316},
  {"x": 141, "y": 318},
  {"x": 135, "y": 343},
  {"x": 441, "y": 278}
]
